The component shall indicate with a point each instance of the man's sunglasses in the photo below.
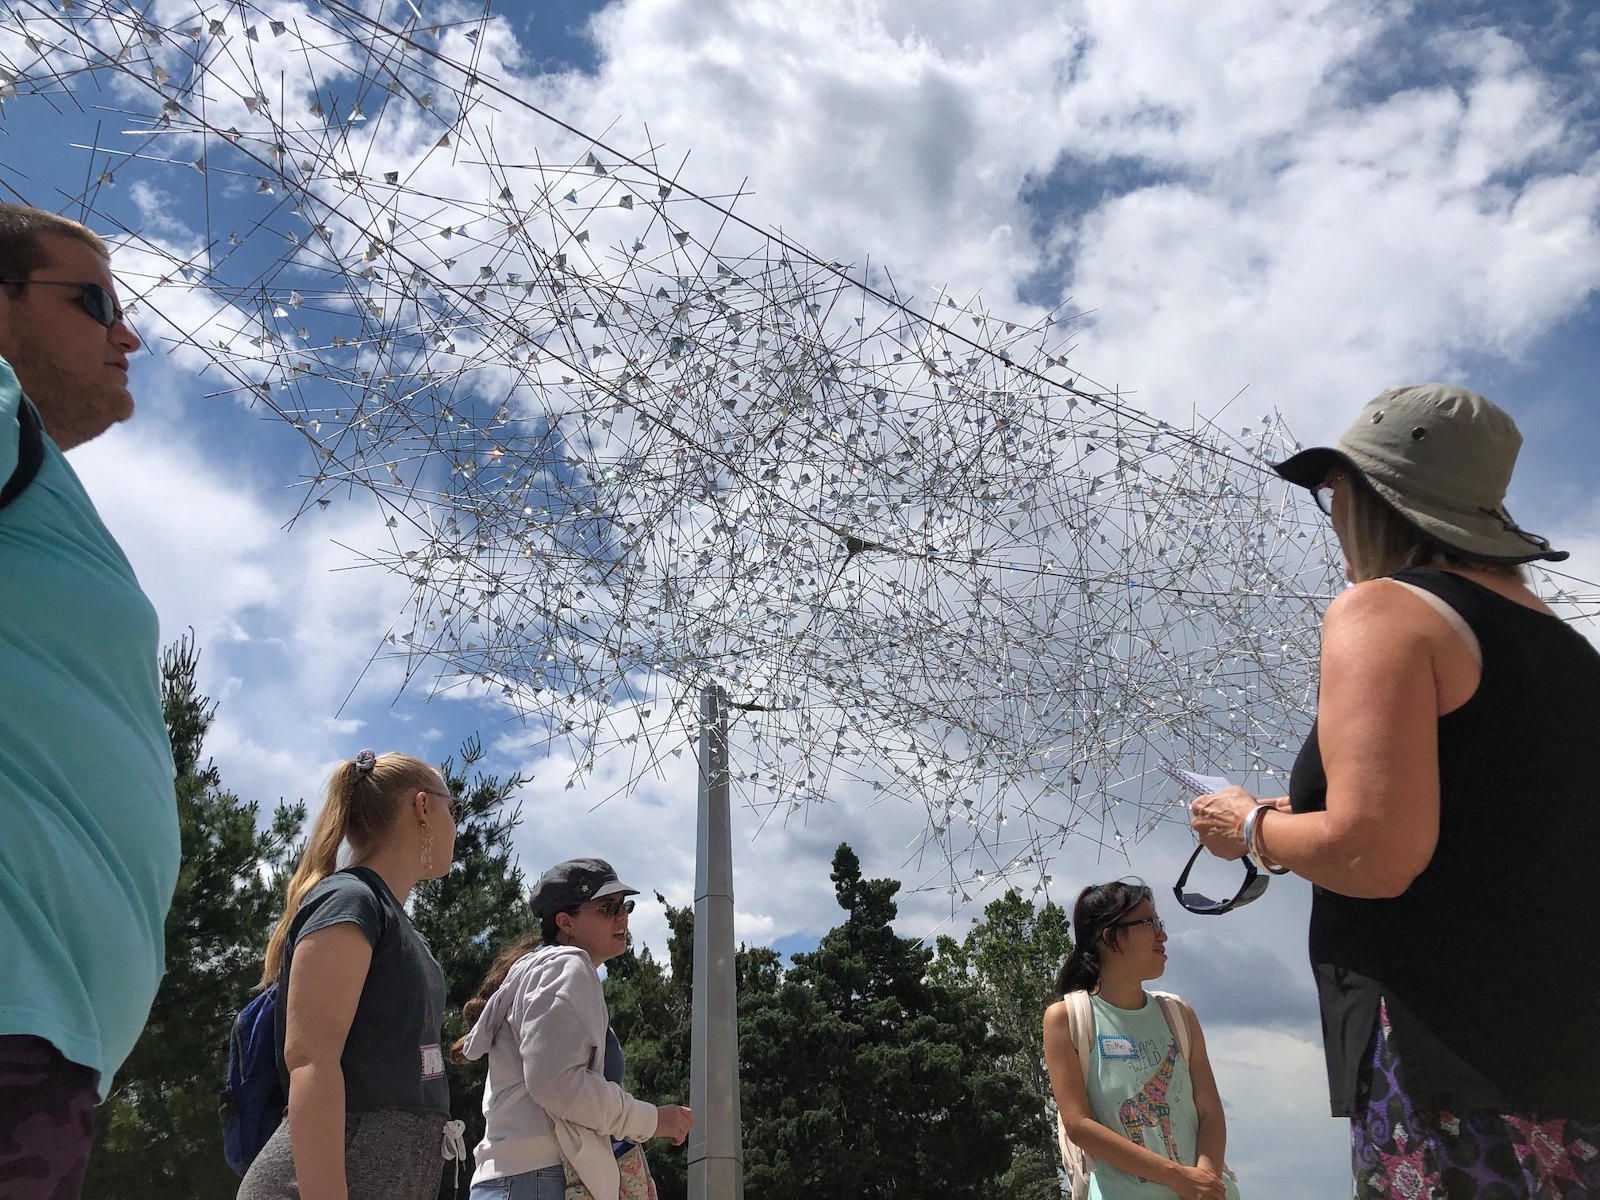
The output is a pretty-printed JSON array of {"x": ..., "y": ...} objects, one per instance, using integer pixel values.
[
  {"x": 1254, "y": 885},
  {"x": 96, "y": 301}
]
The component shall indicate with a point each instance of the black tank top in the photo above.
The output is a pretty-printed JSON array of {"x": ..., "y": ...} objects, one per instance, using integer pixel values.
[{"x": 1489, "y": 963}]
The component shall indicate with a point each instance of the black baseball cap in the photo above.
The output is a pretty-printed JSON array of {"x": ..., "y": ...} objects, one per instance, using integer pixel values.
[{"x": 570, "y": 883}]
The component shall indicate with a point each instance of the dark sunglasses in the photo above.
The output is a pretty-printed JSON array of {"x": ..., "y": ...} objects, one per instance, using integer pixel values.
[
  {"x": 96, "y": 301},
  {"x": 1255, "y": 883},
  {"x": 609, "y": 909}
]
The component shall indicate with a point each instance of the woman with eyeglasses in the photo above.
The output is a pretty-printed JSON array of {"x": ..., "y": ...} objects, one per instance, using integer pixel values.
[
  {"x": 1444, "y": 807},
  {"x": 1128, "y": 1067},
  {"x": 361, "y": 998},
  {"x": 554, "y": 1103}
]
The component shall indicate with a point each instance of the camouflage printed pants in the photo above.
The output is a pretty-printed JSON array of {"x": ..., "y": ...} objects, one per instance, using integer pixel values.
[{"x": 46, "y": 1120}]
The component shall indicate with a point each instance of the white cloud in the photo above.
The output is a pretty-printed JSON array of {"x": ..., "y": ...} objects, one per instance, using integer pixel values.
[
  {"x": 286, "y": 627},
  {"x": 1237, "y": 192},
  {"x": 1281, "y": 1141}
]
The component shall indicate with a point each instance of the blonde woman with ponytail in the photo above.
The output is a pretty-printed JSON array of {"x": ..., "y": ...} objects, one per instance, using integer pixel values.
[
  {"x": 361, "y": 996},
  {"x": 555, "y": 1112}
]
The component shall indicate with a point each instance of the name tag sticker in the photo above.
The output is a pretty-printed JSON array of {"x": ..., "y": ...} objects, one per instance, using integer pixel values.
[
  {"x": 1114, "y": 1046},
  {"x": 432, "y": 1062}
]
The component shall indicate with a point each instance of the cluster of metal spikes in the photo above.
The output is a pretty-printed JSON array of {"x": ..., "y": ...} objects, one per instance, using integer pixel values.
[{"x": 630, "y": 445}]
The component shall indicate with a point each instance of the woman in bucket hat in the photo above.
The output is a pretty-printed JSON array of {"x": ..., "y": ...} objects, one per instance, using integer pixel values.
[
  {"x": 1444, "y": 809},
  {"x": 554, "y": 1108}
]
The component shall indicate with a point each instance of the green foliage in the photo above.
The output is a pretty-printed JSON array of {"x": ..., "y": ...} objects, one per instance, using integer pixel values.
[
  {"x": 897, "y": 1092},
  {"x": 862, "y": 1073},
  {"x": 871, "y": 1068},
  {"x": 158, "y": 1133},
  {"x": 468, "y": 917},
  {"x": 1009, "y": 961}
]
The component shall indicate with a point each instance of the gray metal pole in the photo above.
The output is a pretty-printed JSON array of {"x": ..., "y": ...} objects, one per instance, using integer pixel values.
[{"x": 716, "y": 1155}]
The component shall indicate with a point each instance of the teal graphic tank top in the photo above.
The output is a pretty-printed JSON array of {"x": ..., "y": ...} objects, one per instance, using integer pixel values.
[{"x": 1139, "y": 1087}]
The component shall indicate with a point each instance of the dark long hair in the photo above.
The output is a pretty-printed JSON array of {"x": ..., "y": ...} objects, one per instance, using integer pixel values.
[
  {"x": 548, "y": 934},
  {"x": 1099, "y": 907}
]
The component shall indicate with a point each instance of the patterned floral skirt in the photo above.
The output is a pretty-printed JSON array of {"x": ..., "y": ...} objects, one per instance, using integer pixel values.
[
  {"x": 1400, "y": 1152},
  {"x": 636, "y": 1180}
]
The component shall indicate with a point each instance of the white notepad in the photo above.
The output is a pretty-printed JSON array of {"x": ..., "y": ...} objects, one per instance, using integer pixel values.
[{"x": 1200, "y": 785}]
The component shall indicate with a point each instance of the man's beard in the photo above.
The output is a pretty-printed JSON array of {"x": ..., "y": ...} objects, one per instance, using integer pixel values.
[{"x": 72, "y": 412}]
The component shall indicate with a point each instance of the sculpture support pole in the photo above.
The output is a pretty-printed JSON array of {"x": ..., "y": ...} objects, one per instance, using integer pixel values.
[{"x": 716, "y": 1157}]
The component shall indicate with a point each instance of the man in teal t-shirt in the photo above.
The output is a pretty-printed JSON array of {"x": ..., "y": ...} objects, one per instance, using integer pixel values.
[{"x": 88, "y": 816}]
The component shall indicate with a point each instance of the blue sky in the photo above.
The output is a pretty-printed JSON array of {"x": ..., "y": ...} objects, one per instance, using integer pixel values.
[{"x": 1310, "y": 200}]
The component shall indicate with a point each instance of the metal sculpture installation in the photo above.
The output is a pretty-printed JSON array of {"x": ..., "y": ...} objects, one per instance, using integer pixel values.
[{"x": 631, "y": 447}]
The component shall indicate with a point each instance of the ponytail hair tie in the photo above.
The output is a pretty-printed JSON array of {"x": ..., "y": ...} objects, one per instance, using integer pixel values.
[{"x": 365, "y": 761}]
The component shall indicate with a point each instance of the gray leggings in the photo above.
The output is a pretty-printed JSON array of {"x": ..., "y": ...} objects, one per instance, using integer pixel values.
[{"x": 387, "y": 1156}]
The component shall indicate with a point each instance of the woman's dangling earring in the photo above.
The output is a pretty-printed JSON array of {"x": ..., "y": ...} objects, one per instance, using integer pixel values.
[{"x": 427, "y": 849}]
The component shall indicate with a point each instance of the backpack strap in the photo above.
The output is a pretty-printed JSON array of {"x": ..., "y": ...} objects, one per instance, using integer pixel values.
[
  {"x": 1080, "y": 1024},
  {"x": 1172, "y": 1010},
  {"x": 30, "y": 452}
]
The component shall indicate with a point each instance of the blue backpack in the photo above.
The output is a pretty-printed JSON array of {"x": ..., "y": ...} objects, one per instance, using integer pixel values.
[{"x": 254, "y": 1102}]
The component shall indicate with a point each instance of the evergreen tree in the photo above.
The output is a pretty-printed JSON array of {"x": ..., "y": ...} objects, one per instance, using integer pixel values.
[
  {"x": 864, "y": 1075},
  {"x": 649, "y": 1004},
  {"x": 468, "y": 917},
  {"x": 1009, "y": 959},
  {"x": 158, "y": 1133}
]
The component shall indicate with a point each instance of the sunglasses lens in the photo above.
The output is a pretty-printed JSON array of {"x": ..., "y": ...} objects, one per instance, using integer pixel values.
[
  {"x": 99, "y": 305},
  {"x": 1196, "y": 903}
]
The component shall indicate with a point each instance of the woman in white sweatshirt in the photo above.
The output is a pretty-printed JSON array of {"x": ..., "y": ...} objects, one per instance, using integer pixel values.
[{"x": 555, "y": 1067}]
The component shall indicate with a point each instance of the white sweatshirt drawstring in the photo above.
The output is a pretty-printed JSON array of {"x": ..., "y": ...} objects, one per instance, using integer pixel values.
[{"x": 454, "y": 1148}]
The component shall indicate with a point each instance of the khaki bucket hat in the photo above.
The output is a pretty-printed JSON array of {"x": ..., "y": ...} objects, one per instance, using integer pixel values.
[{"x": 1441, "y": 456}]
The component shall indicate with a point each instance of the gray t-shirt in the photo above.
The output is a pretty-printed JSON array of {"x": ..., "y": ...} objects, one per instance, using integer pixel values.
[{"x": 392, "y": 1056}]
